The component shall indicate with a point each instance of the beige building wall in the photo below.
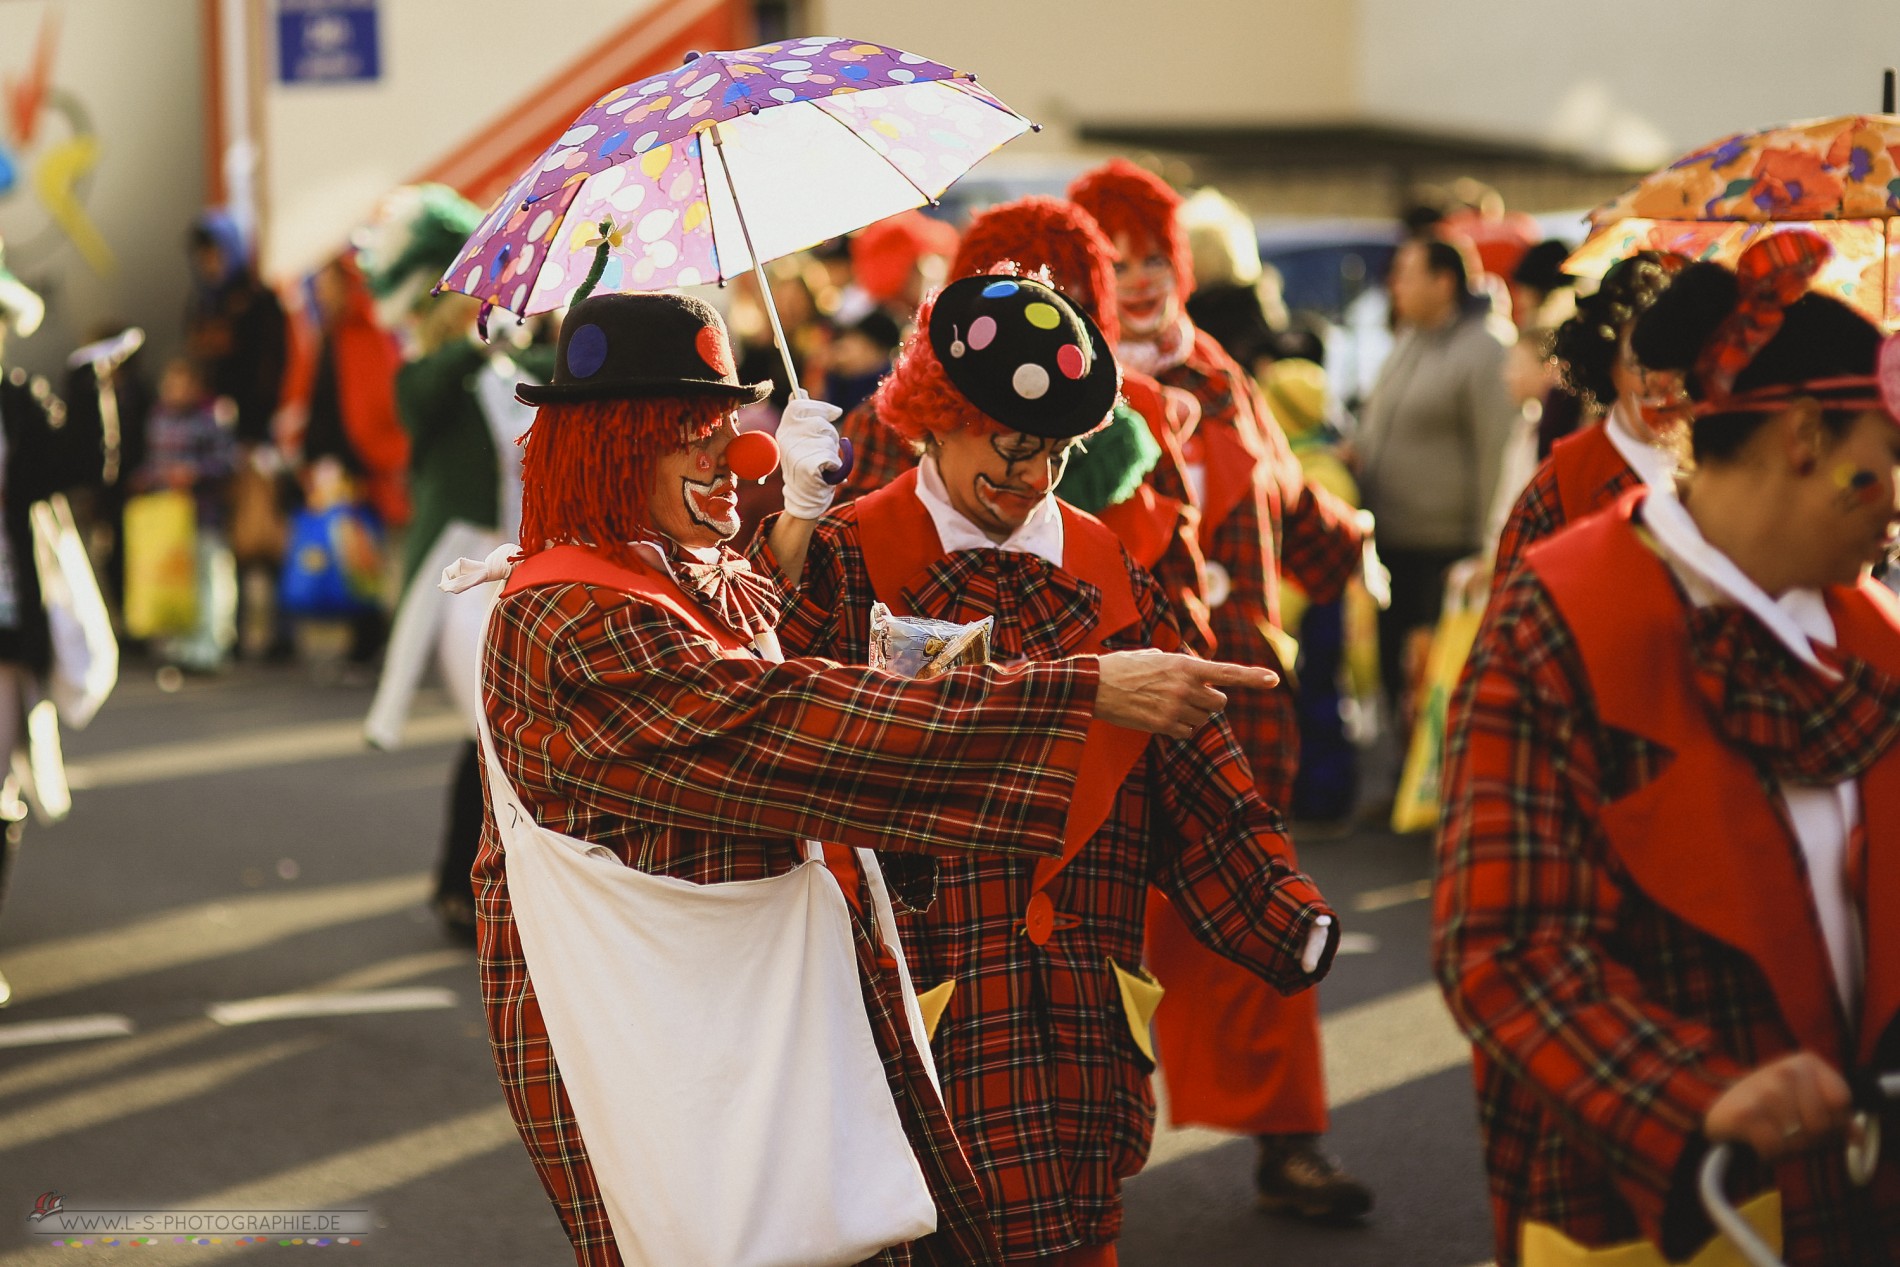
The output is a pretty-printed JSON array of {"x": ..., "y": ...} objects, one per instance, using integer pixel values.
[
  {"x": 125, "y": 80},
  {"x": 330, "y": 151},
  {"x": 1131, "y": 61},
  {"x": 1632, "y": 81}
]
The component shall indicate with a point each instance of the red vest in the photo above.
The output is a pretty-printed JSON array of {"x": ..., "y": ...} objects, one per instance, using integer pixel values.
[
  {"x": 900, "y": 544},
  {"x": 1705, "y": 840},
  {"x": 1587, "y": 465}
]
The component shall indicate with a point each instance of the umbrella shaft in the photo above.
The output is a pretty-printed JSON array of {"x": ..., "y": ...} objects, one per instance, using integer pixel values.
[{"x": 758, "y": 269}]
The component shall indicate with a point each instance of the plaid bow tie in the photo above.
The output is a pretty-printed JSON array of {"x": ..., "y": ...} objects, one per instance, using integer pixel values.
[
  {"x": 1801, "y": 725},
  {"x": 728, "y": 587}
]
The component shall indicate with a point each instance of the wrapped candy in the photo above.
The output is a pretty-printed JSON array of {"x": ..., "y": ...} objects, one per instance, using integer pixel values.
[{"x": 919, "y": 648}]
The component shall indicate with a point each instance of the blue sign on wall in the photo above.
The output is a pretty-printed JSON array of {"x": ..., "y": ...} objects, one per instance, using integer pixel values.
[{"x": 327, "y": 41}]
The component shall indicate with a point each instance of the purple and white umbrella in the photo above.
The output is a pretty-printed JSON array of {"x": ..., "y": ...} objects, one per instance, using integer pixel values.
[{"x": 820, "y": 136}]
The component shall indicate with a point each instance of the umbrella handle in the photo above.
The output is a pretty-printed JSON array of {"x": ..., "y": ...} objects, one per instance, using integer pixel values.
[{"x": 836, "y": 475}]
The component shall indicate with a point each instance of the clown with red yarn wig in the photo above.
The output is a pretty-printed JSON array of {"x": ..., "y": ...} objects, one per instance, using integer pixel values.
[
  {"x": 1112, "y": 475},
  {"x": 1031, "y": 968},
  {"x": 1236, "y": 1057},
  {"x": 637, "y": 701}
]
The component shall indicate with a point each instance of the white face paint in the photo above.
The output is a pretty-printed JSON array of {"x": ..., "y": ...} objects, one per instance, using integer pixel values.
[{"x": 712, "y": 504}]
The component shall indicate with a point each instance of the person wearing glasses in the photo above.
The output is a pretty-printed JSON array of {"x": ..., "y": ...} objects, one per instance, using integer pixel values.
[{"x": 1031, "y": 970}]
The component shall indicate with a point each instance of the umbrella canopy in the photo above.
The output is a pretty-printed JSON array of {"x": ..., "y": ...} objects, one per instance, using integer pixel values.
[
  {"x": 1839, "y": 177},
  {"x": 820, "y": 136}
]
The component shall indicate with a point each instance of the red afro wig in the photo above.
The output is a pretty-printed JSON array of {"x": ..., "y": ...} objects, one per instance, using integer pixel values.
[
  {"x": 1040, "y": 232},
  {"x": 916, "y": 399},
  {"x": 1137, "y": 204},
  {"x": 587, "y": 465}
]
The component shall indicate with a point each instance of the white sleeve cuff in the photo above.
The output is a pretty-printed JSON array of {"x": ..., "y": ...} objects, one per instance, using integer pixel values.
[{"x": 1315, "y": 945}]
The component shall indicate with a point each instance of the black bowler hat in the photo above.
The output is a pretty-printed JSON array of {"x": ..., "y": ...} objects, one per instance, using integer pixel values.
[
  {"x": 1024, "y": 355},
  {"x": 619, "y": 346}
]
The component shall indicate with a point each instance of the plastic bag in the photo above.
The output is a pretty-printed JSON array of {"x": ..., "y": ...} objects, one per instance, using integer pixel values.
[
  {"x": 917, "y": 648},
  {"x": 161, "y": 567},
  {"x": 85, "y": 652},
  {"x": 333, "y": 567},
  {"x": 1415, "y": 808}
]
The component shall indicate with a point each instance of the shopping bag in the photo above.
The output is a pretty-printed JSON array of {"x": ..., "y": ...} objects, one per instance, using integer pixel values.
[
  {"x": 1415, "y": 808},
  {"x": 713, "y": 1042},
  {"x": 1544, "y": 1246},
  {"x": 85, "y": 652},
  {"x": 258, "y": 533},
  {"x": 333, "y": 565},
  {"x": 161, "y": 568}
]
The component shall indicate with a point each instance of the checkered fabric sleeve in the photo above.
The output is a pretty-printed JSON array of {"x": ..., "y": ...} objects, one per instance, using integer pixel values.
[
  {"x": 1537, "y": 513},
  {"x": 1226, "y": 865},
  {"x": 1576, "y": 992},
  {"x": 1321, "y": 542},
  {"x": 655, "y": 729}
]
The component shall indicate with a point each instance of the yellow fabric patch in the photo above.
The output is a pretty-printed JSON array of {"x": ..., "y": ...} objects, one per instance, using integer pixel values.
[
  {"x": 1542, "y": 1245},
  {"x": 1141, "y": 995},
  {"x": 933, "y": 1003}
]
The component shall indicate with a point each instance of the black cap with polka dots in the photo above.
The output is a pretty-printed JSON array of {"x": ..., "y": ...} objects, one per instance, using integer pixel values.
[{"x": 1023, "y": 354}]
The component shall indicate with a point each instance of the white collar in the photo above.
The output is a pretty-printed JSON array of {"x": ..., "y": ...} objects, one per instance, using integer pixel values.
[
  {"x": 1041, "y": 533},
  {"x": 1799, "y": 618},
  {"x": 1656, "y": 467}
]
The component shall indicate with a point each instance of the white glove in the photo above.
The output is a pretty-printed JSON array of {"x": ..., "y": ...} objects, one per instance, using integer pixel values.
[{"x": 808, "y": 447}]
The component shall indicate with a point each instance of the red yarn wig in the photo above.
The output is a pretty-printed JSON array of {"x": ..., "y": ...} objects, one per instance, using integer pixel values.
[
  {"x": 1040, "y": 232},
  {"x": 917, "y": 399},
  {"x": 1134, "y": 202},
  {"x": 587, "y": 465}
]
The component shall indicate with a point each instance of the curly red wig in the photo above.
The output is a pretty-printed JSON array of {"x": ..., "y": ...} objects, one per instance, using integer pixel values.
[
  {"x": 587, "y": 465},
  {"x": 1041, "y": 232},
  {"x": 1134, "y": 202},
  {"x": 916, "y": 399}
]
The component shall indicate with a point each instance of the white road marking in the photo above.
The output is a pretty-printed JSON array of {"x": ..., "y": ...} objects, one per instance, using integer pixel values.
[
  {"x": 288, "y": 745},
  {"x": 71, "y": 1029},
  {"x": 207, "y": 930},
  {"x": 107, "y": 1102},
  {"x": 1369, "y": 1048},
  {"x": 93, "y": 1062},
  {"x": 1393, "y": 895},
  {"x": 1357, "y": 944},
  {"x": 279, "y": 1007}
]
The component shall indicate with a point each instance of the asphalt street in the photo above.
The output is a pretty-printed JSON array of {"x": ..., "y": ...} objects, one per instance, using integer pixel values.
[{"x": 233, "y": 842}]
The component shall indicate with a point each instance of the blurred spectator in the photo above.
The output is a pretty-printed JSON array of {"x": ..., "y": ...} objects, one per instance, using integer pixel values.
[
  {"x": 234, "y": 326},
  {"x": 30, "y": 415},
  {"x": 107, "y": 400},
  {"x": 895, "y": 263},
  {"x": 1297, "y": 392},
  {"x": 1542, "y": 294},
  {"x": 347, "y": 383},
  {"x": 236, "y": 333},
  {"x": 1531, "y": 376},
  {"x": 190, "y": 448},
  {"x": 860, "y": 356},
  {"x": 1500, "y": 237},
  {"x": 1430, "y": 444},
  {"x": 353, "y": 447},
  {"x": 1236, "y": 298}
]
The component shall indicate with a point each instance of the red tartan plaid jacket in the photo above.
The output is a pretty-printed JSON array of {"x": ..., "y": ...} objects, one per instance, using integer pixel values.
[
  {"x": 1583, "y": 474},
  {"x": 620, "y": 724},
  {"x": 1619, "y": 916},
  {"x": 1048, "y": 1090},
  {"x": 1260, "y": 519}
]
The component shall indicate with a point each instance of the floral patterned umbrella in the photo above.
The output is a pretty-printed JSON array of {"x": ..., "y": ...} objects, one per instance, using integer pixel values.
[
  {"x": 1839, "y": 177},
  {"x": 820, "y": 136}
]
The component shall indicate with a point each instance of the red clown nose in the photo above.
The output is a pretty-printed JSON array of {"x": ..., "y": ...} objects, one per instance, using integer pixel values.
[{"x": 753, "y": 455}]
